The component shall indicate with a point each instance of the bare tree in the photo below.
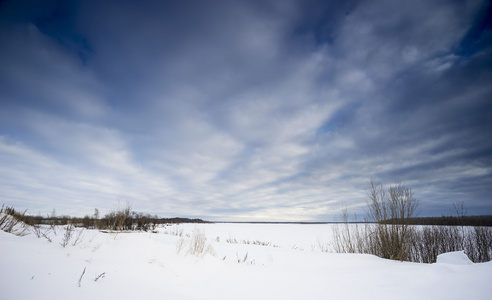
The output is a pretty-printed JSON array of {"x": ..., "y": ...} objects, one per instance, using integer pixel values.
[
  {"x": 460, "y": 210},
  {"x": 96, "y": 218},
  {"x": 392, "y": 211}
]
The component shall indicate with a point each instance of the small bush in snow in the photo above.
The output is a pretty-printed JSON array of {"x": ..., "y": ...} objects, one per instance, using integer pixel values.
[
  {"x": 198, "y": 240},
  {"x": 198, "y": 244}
]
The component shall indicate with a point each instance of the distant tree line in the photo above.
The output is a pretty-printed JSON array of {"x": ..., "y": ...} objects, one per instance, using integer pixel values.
[
  {"x": 446, "y": 221},
  {"x": 120, "y": 219}
]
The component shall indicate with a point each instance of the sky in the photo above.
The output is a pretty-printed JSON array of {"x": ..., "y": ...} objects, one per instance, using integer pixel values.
[{"x": 244, "y": 110}]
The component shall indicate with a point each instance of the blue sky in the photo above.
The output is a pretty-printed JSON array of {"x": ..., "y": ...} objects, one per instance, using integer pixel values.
[{"x": 244, "y": 110}]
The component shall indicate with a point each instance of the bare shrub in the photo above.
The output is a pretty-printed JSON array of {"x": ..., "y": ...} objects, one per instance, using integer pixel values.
[
  {"x": 391, "y": 210},
  {"x": 179, "y": 245},
  {"x": 53, "y": 228},
  {"x": 177, "y": 230},
  {"x": 198, "y": 240},
  {"x": 102, "y": 275},
  {"x": 120, "y": 219},
  {"x": 347, "y": 239},
  {"x": 459, "y": 209},
  {"x": 46, "y": 236},
  {"x": 78, "y": 237},
  {"x": 426, "y": 245},
  {"x": 324, "y": 246},
  {"x": 12, "y": 221},
  {"x": 210, "y": 250},
  {"x": 36, "y": 229},
  {"x": 41, "y": 232},
  {"x": 124, "y": 219},
  {"x": 479, "y": 244},
  {"x": 258, "y": 243},
  {"x": 198, "y": 244},
  {"x": 392, "y": 237},
  {"x": 232, "y": 240},
  {"x": 243, "y": 259},
  {"x": 430, "y": 241},
  {"x": 82, "y": 275},
  {"x": 67, "y": 236}
]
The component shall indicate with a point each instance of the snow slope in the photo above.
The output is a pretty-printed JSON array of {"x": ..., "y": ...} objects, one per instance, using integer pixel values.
[{"x": 286, "y": 263}]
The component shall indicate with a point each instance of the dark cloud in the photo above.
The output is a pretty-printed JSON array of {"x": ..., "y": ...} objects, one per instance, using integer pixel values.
[{"x": 479, "y": 36}]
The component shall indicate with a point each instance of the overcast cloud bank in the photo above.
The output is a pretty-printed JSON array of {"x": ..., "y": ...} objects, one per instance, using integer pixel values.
[{"x": 245, "y": 110}]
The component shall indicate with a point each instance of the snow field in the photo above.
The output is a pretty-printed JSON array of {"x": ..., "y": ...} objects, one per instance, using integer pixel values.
[{"x": 260, "y": 261}]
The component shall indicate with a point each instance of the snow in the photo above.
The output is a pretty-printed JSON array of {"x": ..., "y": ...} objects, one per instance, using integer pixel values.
[
  {"x": 454, "y": 258},
  {"x": 269, "y": 261}
]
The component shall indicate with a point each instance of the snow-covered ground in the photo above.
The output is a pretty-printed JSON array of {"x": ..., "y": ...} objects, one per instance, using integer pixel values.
[{"x": 239, "y": 261}]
